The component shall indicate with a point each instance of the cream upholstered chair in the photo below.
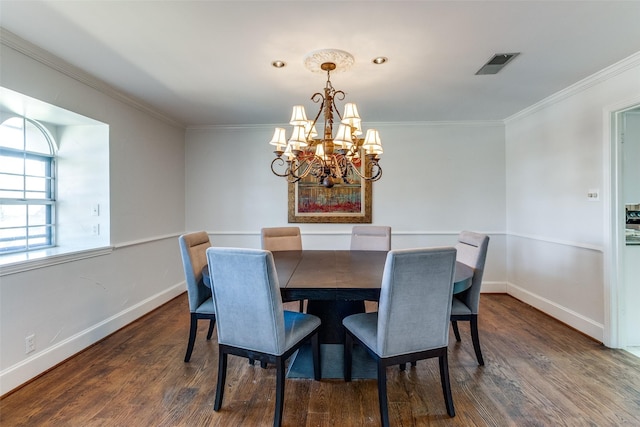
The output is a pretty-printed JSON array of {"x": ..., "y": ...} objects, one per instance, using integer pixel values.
[
  {"x": 472, "y": 251},
  {"x": 281, "y": 239},
  {"x": 412, "y": 322},
  {"x": 251, "y": 320},
  {"x": 193, "y": 247},
  {"x": 370, "y": 238},
  {"x": 276, "y": 239}
]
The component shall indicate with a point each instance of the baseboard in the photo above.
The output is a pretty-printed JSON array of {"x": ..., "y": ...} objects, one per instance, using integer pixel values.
[
  {"x": 577, "y": 321},
  {"x": 493, "y": 287},
  {"x": 40, "y": 362}
]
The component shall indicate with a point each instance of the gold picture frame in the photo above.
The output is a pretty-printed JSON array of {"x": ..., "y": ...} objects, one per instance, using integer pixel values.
[{"x": 310, "y": 202}]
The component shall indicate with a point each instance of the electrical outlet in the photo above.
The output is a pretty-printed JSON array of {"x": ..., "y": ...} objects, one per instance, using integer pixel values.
[
  {"x": 96, "y": 229},
  {"x": 30, "y": 343}
]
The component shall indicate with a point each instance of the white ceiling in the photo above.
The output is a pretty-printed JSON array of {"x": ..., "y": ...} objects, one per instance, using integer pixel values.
[{"x": 209, "y": 62}]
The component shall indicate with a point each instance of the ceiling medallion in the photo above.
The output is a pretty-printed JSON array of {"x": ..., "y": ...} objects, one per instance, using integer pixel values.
[{"x": 343, "y": 60}]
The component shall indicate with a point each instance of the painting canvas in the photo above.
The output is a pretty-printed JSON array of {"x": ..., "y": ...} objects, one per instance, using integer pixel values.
[{"x": 343, "y": 203}]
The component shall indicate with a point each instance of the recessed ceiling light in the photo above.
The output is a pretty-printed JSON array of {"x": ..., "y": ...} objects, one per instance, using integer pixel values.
[
  {"x": 379, "y": 60},
  {"x": 279, "y": 64}
]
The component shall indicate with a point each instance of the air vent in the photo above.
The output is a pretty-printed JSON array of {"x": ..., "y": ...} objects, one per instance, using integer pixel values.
[{"x": 497, "y": 63}]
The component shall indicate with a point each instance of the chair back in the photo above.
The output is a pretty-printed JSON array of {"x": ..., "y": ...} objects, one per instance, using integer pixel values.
[
  {"x": 370, "y": 238},
  {"x": 193, "y": 247},
  {"x": 247, "y": 299},
  {"x": 281, "y": 239},
  {"x": 415, "y": 300},
  {"x": 472, "y": 250}
]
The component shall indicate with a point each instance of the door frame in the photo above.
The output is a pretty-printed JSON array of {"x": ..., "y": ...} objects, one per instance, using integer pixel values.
[{"x": 614, "y": 335}]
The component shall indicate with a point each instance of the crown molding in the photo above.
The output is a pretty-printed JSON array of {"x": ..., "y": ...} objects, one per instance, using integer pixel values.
[
  {"x": 456, "y": 123},
  {"x": 582, "y": 85},
  {"x": 46, "y": 58}
]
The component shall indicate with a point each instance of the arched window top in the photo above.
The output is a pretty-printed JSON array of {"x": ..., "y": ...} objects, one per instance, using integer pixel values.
[{"x": 20, "y": 133}]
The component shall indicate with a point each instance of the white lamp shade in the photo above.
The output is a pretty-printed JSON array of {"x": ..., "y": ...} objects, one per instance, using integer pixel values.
[
  {"x": 312, "y": 132},
  {"x": 298, "y": 138},
  {"x": 343, "y": 137},
  {"x": 357, "y": 130},
  {"x": 351, "y": 116},
  {"x": 288, "y": 154},
  {"x": 279, "y": 139},
  {"x": 372, "y": 144},
  {"x": 298, "y": 116},
  {"x": 320, "y": 150}
]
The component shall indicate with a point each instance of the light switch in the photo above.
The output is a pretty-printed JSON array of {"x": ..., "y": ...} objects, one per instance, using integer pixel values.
[{"x": 95, "y": 210}]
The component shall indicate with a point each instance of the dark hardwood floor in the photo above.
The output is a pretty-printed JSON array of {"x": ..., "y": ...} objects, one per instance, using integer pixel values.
[{"x": 538, "y": 372}]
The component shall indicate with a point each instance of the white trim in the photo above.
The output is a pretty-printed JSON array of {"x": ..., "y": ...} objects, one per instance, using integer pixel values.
[
  {"x": 456, "y": 123},
  {"x": 348, "y": 233},
  {"x": 145, "y": 241},
  {"x": 493, "y": 287},
  {"x": 36, "y": 53},
  {"x": 559, "y": 242},
  {"x": 584, "y": 84},
  {"x": 47, "y": 258},
  {"x": 563, "y": 314},
  {"x": 29, "y": 368}
]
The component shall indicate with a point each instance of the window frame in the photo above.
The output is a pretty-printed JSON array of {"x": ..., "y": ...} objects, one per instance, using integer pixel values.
[{"x": 49, "y": 199}]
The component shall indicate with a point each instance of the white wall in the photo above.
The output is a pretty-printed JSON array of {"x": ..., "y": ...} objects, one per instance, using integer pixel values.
[
  {"x": 554, "y": 157},
  {"x": 438, "y": 179},
  {"x": 82, "y": 181},
  {"x": 71, "y": 305}
]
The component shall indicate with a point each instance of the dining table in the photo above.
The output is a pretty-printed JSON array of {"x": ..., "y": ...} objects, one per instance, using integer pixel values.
[{"x": 336, "y": 283}]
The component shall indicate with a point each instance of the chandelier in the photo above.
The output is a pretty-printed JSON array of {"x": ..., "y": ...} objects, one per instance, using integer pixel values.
[{"x": 331, "y": 159}]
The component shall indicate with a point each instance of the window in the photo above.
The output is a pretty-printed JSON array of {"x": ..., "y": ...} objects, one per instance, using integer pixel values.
[
  {"x": 27, "y": 186},
  {"x": 54, "y": 184}
]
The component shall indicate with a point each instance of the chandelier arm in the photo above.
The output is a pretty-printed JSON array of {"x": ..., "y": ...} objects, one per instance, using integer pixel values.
[
  {"x": 281, "y": 163},
  {"x": 370, "y": 166},
  {"x": 308, "y": 168},
  {"x": 337, "y": 169}
]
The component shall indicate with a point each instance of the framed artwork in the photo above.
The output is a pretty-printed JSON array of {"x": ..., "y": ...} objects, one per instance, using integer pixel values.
[{"x": 310, "y": 202}]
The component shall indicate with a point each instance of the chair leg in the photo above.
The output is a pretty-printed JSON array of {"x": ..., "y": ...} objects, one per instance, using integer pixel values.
[
  {"x": 446, "y": 385},
  {"x": 212, "y": 323},
  {"x": 382, "y": 394},
  {"x": 348, "y": 344},
  {"x": 317, "y": 367},
  {"x": 222, "y": 374},
  {"x": 456, "y": 332},
  {"x": 301, "y": 306},
  {"x": 192, "y": 336},
  {"x": 476, "y": 339},
  {"x": 280, "y": 372}
]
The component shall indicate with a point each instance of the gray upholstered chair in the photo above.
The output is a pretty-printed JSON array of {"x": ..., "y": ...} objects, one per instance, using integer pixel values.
[
  {"x": 472, "y": 250},
  {"x": 370, "y": 238},
  {"x": 281, "y": 239},
  {"x": 276, "y": 239},
  {"x": 412, "y": 322},
  {"x": 193, "y": 247},
  {"x": 251, "y": 320}
]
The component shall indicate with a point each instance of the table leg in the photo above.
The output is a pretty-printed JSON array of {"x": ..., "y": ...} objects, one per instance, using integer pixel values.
[{"x": 331, "y": 313}]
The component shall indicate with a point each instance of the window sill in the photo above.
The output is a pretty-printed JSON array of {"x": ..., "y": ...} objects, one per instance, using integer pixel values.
[{"x": 25, "y": 261}]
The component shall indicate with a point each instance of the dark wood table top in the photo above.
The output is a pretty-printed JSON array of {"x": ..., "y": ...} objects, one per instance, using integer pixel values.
[{"x": 339, "y": 274}]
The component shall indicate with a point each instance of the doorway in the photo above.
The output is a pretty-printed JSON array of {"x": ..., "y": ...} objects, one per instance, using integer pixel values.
[{"x": 622, "y": 258}]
